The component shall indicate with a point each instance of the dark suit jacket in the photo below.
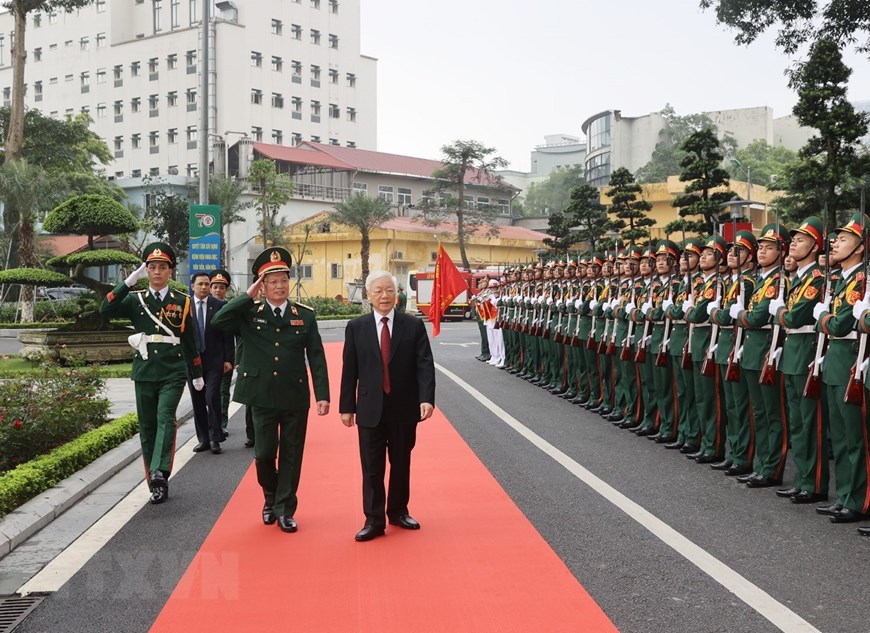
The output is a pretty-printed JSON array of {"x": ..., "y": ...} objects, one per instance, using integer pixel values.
[
  {"x": 218, "y": 344},
  {"x": 412, "y": 370}
]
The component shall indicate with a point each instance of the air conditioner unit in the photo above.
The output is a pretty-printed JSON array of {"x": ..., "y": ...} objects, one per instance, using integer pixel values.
[{"x": 398, "y": 255}]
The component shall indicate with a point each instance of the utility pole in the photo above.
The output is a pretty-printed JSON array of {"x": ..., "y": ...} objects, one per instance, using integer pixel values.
[{"x": 204, "y": 104}]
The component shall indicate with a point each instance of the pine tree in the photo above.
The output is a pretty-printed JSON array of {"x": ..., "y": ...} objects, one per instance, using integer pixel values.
[
  {"x": 630, "y": 211},
  {"x": 588, "y": 214}
]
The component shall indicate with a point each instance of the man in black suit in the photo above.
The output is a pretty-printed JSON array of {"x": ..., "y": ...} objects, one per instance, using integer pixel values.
[
  {"x": 387, "y": 387},
  {"x": 216, "y": 351}
]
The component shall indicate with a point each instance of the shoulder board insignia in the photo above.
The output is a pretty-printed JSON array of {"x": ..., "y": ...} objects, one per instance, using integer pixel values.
[
  {"x": 817, "y": 273},
  {"x": 770, "y": 292},
  {"x": 811, "y": 292},
  {"x": 853, "y": 297},
  {"x": 860, "y": 275},
  {"x": 302, "y": 305},
  {"x": 708, "y": 294}
]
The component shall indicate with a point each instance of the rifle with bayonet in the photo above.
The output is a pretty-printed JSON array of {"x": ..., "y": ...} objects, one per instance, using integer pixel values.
[
  {"x": 557, "y": 335},
  {"x": 732, "y": 369},
  {"x": 813, "y": 385},
  {"x": 686, "y": 360},
  {"x": 708, "y": 367},
  {"x": 625, "y": 352},
  {"x": 662, "y": 356},
  {"x": 771, "y": 359},
  {"x": 855, "y": 387},
  {"x": 640, "y": 356}
]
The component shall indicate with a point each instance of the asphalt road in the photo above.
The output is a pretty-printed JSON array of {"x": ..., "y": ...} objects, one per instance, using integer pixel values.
[{"x": 815, "y": 569}]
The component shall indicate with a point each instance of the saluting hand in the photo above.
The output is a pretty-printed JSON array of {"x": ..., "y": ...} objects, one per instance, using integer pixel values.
[
  {"x": 256, "y": 287},
  {"x": 426, "y": 410}
]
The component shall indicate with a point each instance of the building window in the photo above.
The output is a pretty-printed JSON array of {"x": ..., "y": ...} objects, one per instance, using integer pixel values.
[
  {"x": 172, "y": 136},
  {"x": 385, "y": 192},
  {"x": 191, "y": 133},
  {"x": 351, "y": 114},
  {"x": 482, "y": 202},
  {"x": 172, "y": 99},
  {"x": 300, "y": 272},
  {"x": 334, "y": 141},
  {"x": 136, "y": 141},
  {"x": 68, "y": 44},
  {"x": 154, "y": 171},
  {"x": 118, "y": 108},
  {"x": 101, "y": 40},
  {"x": 153, "y": 139},
  {"x": 118, "y": 72},
  {"x": 192, "y": 170},
  {"x": 277, "y": 137},
  {"x": 404, "y": 196},
  {"x": 315, "y": 138},
  {"x": 153, "y": 104},
  {"x": 315, "y": 112},
  {"x": 101, "y": 6},
  {"x": 335, "y": 271},
  {"x": 190, "y": 96},
  {"x": 85, "y": 79},
  {"x": 315, "y": 36},
  {"x": 333, "y": 6},
  {"x": 351, "y": 80},
  {"x": 277, "y": 64},
  {"x": 84, "y": 44},
  {"x": 256, "y": 96},
  {"x": 190, "y": 60},
  {"x": 257, "y": 133},
  {"x": 153, "y": 67},
  {"x": 52, "y": 17},
  {"x": 158, "y": 6},
  {"x": 172, "y": 61},
  {"x": 504, "y": 206},
  {"x": 333, "y": 76},
  {"x": 315, "y": 75},
  {"x": 101, "y": 76},
  {"x": 333, "y": 41},
  {"x": 173, "y": 14},
  {"x": 296, "y": 31},
  {"x": 295, "y": 139},
  {"x": 351, "y": 144},
  {"x": 37, "y": 93},
  {"x": 315, "y": 4},
  {"x": 277, "y": 100},
  {"x": 52, "y": 81},
  {"x": 297, "y": 72},
  {"x": 135, "y": 104},
  {"x": 192, "y": 6},
  {"x": 334, "y": 111},
  {"x": 119, "y": 143},
  {"x": 37, "y": 19},
  {"x": 277, "y": 27},
  {"x": 296, "y": 103},
  {"x": 37, "y": 54},
  {"x": 256, "y": 59},
  {"x": 68, "y": 77},
  {"x": 134, "y": 69}
]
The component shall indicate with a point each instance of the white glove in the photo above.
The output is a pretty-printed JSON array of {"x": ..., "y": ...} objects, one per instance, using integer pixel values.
[
  {"x": 136, "y": 275},
  {"x": 820, "y": 308},
  {"x": 593, "y": 303},
  {"x": 860, "y": 308},
  {"x": 578, "y": 303},
  {"x": 645, "y": 308},
  {"x": 198, "y": 384},
  {"x": 776, "y": 356},
  {"x": 713, "y": 305},
  {"x": 541, "y": 299},
  {"x": 735, "y": 310},
  {"x": 629, "y": 306},
  {"x": 863, "y": 367},
  {"x": 549, "y": 300},
  {"x": 688, "y": 304},
  {"x": 774, "y": 306},
  {"x": 667, "y": 303},
  {"x": 558, "y": 302}
]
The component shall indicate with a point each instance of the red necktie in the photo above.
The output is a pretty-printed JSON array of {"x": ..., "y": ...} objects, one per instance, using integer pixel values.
[{"x": 385, "y": 352}]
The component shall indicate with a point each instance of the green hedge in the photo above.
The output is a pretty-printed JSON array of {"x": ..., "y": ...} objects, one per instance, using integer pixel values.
[
  {"x": 326, "y": 306},
  {"x": 38, "y": 475}
]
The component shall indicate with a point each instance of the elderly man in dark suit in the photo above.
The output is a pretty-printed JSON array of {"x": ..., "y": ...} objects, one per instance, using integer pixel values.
[
  {"x": 216, "y": 351},
  {"x": 387, "y": 387}
]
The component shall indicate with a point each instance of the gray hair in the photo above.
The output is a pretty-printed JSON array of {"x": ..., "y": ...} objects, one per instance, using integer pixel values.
[{"x": 379, "y": 274}]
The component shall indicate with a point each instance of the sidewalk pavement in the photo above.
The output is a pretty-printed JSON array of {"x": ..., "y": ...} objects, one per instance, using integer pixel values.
[{"x": 22, "y": 523}]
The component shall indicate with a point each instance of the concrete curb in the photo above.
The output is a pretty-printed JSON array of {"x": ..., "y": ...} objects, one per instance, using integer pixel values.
[
  {"x": 26, "y": 520},
  {"x": 331, "y": 324}
]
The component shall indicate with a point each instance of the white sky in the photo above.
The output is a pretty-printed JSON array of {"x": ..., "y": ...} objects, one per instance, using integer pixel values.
[{"x": 507, "y": 72}]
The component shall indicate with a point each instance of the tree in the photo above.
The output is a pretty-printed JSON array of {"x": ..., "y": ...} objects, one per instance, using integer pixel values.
[
  {"x": 20, "y": 9},
  {"x": 228, "y": 194},
  {"x": 554, "y": 193},
  {"x": 561, "y": 236},
  {"x": 631, "y": 212},
  {"x": 799, "y": 21},
  {"x": 588, "y": 215},
  {"x": 832, "y": 160},
  {"x": 363, "y": 214},
  {"x": 274, "y": 191},
  {"x": 168, "y": 217},
  {"x": 765, "y": 163},
  {"x": 464, "y": 162},
  {"x": 702, "y": 170}
]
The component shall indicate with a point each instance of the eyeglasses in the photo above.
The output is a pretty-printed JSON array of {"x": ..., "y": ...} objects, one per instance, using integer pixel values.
[{"x": 379, "y": 293}]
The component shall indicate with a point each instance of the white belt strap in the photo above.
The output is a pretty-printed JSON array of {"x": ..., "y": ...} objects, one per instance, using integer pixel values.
[
  {"x": 851, "y": 336},
  {"x": 170, "y": 336},
  {"x": 162, "y": 338},
  {"x": 806, "y": 329}
]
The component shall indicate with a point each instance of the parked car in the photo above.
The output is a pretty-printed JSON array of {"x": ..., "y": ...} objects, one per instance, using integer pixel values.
[{"x": 62, "y": 294}]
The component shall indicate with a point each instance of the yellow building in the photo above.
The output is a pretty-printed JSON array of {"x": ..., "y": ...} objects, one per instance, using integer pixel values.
[{"x": 400, "y": 245}]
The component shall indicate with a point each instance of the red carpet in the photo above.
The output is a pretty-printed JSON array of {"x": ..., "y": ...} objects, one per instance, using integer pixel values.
[{"x": 476, "y": 565}]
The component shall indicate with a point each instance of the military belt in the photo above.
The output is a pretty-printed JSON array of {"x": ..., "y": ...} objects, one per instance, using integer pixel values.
[
  {"x": 697, "y": 325},
  {"x": 851, "y": 336},
  {"x": 805, "y": 329},
  {"x": 162, "y": 338}
]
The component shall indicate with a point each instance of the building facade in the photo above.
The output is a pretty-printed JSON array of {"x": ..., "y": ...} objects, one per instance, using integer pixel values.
[
  {"x": 282, "y": 71},
  {"x": 559, "y": 151}
]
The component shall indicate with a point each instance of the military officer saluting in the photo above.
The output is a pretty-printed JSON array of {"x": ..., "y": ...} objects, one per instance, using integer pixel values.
[
  {"x": 165, "y": 343},
  {"x": 278, "y": 335}
]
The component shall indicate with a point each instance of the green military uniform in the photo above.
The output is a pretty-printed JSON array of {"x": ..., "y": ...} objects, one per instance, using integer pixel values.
[
  {"x": 809, "y": 443},
  {"x": 166, "y": 352},
  {"x": 601, "y": 336},
  {"x": 577, "y": 342},
  {"x": 401, "y": 300},
  {"x": 484, "y": 341},
  {"x": 627, "y": 347},
  {"x": 848, "y": 422},
  {"x": 739, "y": 427},
  {"x": 771, "y": 435},
  {"x": 273, "y": 380},
  {"x": 588, "y": 327},
  {"x": 643, "y": 348},
  {"x": 662, "y": 374}
]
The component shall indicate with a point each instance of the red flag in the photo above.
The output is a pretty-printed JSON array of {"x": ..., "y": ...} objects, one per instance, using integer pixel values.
[{"x": 448, "y": 284}]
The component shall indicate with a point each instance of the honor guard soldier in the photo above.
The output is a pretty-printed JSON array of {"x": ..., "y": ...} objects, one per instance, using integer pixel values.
[
  {"x": 476, "y": 300},
  {"x": 219, "y": 281},
  {"x": 626, "y": 342},
  {"x": 771, "y": 432},
  {"x": 645, "y": 361},
  {"x": 847, "y": 417},
  {"x": 165, "y": 344},
  {"x": 794, "y": 313},
  {"x": 278, "y": 336}
]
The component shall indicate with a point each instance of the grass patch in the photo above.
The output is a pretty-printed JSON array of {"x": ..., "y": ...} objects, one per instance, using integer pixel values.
[
  {"x": 13, "y": 366},
  {"x": 29, "y": 479}
]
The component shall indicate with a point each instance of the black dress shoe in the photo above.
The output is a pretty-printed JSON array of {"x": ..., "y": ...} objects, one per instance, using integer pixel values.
[
  {"x": 225, "y": 433},
  {"x": 216, "y": 448},
  {"x": 738, "y": 471},
  {"x": 629, "y": 424},
  {"x": 654, "y": 436},
  {"x": 723, "y": 465},
  {"x": 202, "y": 446},
  {"x": 615, "y": 416},
  {"x": 829, "y": 510},
  {"x": 405, "y": 521},
  {"x": 674, "y": 445},
  {"x": 644, "y": 431},
  {"x": 847, "y": 516},
  {"x": 249, "y": 443},
  {"x": 787, "y": 493},
  {"x": 707, "y": 459},
  {"x": 763, "y": 481},
  {"x": 368, "y": 533},
  {"x": 604, "y": 411},
  {"x": 159, "y": 495},
  {"x": 805, "y": 496},
  {"x": 268, "y": 515},
  {"x": 287, "y": 524},
  {"x": 688, "y": 449},
  {"x": 666, "y": 439},
  {"x": 744, "y": 478},
  {"x": 696, "y": 454},
  {"x": 864, "y": 531}
]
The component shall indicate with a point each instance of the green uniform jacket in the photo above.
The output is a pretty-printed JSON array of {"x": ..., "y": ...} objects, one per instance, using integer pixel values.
[
  {"x": 705, "y": 292},
  {"x": 619, "y": 314},
  {"x": 165, "y": 361},
  {"x": 679, "y": 328},
  {"x": 590, "y": 289},
  {"x": 724, "y": 320},
  {"x": 272, "y": 370},
  {"x": 756, "y": 319},
  {"x": 839, "y": 322},
  {"x": 402, "y": 302},
  {"x": 661, "y": 290},
  {"x": 798, "y": 349}
]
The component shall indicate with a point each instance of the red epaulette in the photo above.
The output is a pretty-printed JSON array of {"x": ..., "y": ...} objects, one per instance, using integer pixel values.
[
  {"x": 817, "y": 273},
  {"x": 860, "y": 275}
]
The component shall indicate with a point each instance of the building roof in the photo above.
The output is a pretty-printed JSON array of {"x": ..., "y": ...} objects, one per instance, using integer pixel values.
[
  {"x": 504, "y": 232},
  {"x": 301, "y": 155}
]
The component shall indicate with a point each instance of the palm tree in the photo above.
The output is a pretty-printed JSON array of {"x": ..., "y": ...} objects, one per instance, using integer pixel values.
[
  {"x": 28, "y": 190},
  {"x": 363, "y": 214}
]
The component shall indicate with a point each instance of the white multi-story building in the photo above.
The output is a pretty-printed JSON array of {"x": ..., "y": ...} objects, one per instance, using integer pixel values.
[
  {"x": 283, "y": 71},
  {"x": 559, "y": 151}
]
